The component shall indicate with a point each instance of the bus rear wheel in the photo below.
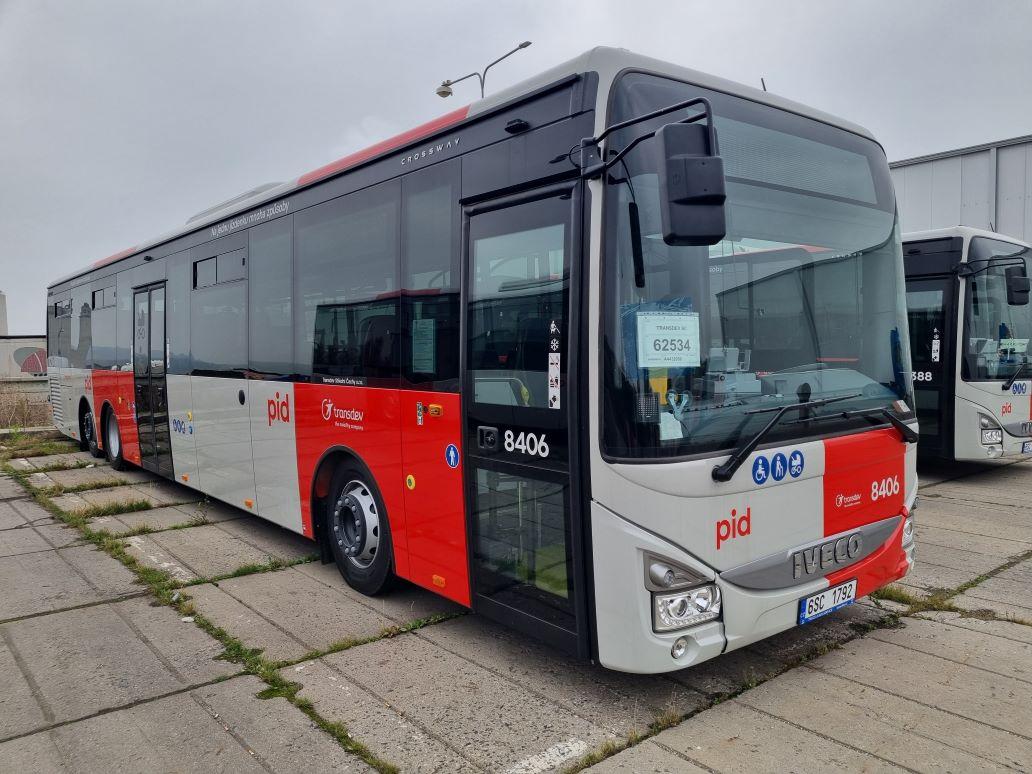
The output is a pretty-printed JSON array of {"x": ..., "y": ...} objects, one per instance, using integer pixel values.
[
  {"x": 358, "y": 533},
  {"x": 89, "y": 434},
  {"x": 113, "y": 441}
]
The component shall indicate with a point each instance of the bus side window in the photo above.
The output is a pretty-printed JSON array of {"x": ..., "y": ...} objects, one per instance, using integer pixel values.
[
  {"x": 430, "y": 277},
  {"x": 346, "y": 257},
  {"x": 270, "y": 297}
]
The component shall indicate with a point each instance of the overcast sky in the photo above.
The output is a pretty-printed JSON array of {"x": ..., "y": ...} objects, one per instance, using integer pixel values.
[{"x": 121, "y": 119}]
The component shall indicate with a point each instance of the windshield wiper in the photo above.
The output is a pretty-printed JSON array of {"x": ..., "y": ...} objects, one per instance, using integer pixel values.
[
  {"x": 909, "y": 434},
  {"x": 1014, "y": 377},
  {"x": 727, "y": 470}
]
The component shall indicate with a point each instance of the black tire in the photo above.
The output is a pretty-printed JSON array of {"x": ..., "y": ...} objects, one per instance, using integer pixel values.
[
  {"x": 357, "y": 531},
  {"x": 88, "y": 431},
  {"x": 113, "y": 441}
]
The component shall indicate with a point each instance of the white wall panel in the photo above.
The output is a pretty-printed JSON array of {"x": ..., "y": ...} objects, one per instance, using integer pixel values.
[
  {"x": 181, "y": 429},
  {"x": 275, "y": 452},
  {"x": 946, "y": 198},
  {"x": 974, "y": 190},
  {"x": 1012, "y": 190},
  {"x": 222, "y": 436}
]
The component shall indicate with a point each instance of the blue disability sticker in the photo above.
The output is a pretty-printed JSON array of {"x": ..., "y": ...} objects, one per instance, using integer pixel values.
[
  {"x": 451, "y": 455},
  {"x": 778, "y": 466},
  {"x": 760, "y": 470}
]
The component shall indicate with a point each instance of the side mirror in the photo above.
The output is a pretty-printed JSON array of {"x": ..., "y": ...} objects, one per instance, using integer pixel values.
[
  {"x": 1017, "y": 286},
  {"x": 691, "y": 185}
]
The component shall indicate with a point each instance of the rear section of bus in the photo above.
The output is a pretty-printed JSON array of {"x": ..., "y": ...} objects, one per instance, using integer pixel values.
[{"x": 753, "y": 443}]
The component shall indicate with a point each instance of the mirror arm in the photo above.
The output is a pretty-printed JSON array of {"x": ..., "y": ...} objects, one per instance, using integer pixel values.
[{"x": 592, "y": 164}]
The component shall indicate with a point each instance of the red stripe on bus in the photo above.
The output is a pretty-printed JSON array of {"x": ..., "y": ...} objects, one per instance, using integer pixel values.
[
  {"x": 863, "y": 480},
  {"x": 887, "y": 564},
  {"x": 112, "y": 258},
  {"x": 115, "y": 388},
  {"x": 412, "y": 135}
]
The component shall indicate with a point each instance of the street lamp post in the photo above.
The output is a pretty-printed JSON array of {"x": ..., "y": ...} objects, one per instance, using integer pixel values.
[{"x": 445, "y": 89}]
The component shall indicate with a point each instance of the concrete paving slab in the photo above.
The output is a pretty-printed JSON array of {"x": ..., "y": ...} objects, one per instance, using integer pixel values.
[
  {"x": 211, "y": 510},
  {"x": 21, "y": 464},
  {"x": 493, "y": 722},
  {"x": 70, "y": 503},
  {"x": 36, "y": 753},
  {"x": 954, "y": 558},
  {"x": 40, "y": 481},
  {"x": 164, "y": 517},
  {"x": 108, "y": 576},
  {"x": 150, "y": 554},
  {"x": 1019, "y": 573},
  {"x": 245, "y": 624},
  {"x": 10, "y": 518},
  {"x": 404, "y": 604},
  {"x": 45, "y": 581},
  {"x": 188, "y": 652},
  {"x": 74, "y": 679},
  {"x": 268, "y": 537},
  {"x": 978, "y": 649},
  {"x": 896, "y": 729},
  {"x": 620, "y": 703},
  {"x": 646, "y": 757},
  {"x": 388, "y": 733},
  {"x": 972, "y": 693},
  {"x": 972, "y": 518},
  {"x": 98, "y": 476},
  {"x": 19, "y": 710},
  {"x": 169, "y": 493},
  {"x": 1005, "y": 629},
  {"x": 279, "y": 734},
  {"x": 63, "y": 460},
  {"x": 313, "y": 615},
  {"x": 9, "y": 488},
  {"x": 997, "y": 548},
  {"x": 931, "y": 576},
  {"x": 117, "y": 495},
  {"x": 735, "y": 737},
  {"x": 209, "y": 551},
  {"x": 998, "y": 597},
  {"x": 22, "y": 541}
]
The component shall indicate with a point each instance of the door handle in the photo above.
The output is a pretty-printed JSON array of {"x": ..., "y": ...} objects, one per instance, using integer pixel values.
[{"x": 240, "y": 397}]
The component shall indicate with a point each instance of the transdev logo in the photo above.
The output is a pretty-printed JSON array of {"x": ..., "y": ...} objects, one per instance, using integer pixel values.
[
  {"x": 330, "y": 412},
  {"x": 847, "y": 501}
]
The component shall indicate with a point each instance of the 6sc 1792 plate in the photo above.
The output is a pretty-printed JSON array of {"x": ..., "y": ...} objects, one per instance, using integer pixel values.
[{"x": 816, "y": 605}]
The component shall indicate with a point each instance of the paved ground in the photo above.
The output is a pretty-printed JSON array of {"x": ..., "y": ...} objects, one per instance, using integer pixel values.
[{"x": 97, "y": 673}]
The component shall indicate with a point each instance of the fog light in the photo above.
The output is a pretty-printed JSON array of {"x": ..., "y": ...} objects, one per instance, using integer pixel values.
[
  {"x": 680, "y": 647},
  {"x": 685, "y": 608},
  {"x": 908, "y": 531},
  {"x": 661, "y": 575},
  {"x": 984, "y": 422},
  {"x": 992, "y": 436}
]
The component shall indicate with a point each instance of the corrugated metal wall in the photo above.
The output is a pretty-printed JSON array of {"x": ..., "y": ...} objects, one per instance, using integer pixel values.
[{"x": 984, "y": 186}]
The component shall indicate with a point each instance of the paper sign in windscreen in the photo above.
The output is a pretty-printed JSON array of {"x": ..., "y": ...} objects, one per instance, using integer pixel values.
[{"x": 668, "y": 340}]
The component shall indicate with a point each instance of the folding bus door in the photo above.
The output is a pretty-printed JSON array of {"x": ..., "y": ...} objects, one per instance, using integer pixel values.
[{"x": 520, "y": 329}]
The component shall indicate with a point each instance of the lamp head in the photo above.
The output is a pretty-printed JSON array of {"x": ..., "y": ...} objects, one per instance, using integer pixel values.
[
  {"x": 445, "y": 89},
  {"x": 524, "y": 44}
]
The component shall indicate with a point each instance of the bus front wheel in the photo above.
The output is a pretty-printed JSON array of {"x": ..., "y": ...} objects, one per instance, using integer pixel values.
[{"x": 357, "y": 531}]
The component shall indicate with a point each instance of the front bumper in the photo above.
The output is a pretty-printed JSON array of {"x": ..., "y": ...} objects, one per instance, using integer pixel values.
[{"x": 623, "y": 606}]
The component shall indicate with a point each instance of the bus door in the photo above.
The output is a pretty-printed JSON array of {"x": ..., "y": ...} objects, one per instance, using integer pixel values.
[
  {"x": 931, "y": 309},
  {"x": 150, "y": 391},
  {"x": 520, "y": 332}
]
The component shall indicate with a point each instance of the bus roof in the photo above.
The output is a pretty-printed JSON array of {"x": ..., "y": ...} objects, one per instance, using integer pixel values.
[
  {"x": 964, "y": 232},
  {"x": 607, "y": 62}
]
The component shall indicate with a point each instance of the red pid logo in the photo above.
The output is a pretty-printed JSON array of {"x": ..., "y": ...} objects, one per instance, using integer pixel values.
[
  {"x": 1007, "y": 408},
  {"x": 278, "y": 410},
  {"x": 736, "y": 526}
]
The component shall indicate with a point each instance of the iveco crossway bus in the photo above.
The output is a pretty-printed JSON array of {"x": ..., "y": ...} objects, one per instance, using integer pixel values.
[
  {"x": 617, "y": 357},
  {"x": 970, "y": 325}
]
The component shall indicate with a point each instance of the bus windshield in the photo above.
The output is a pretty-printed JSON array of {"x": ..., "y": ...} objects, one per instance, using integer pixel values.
[
  {"x": 802, "y": 300},
  {"x": 996, "y": 332}
]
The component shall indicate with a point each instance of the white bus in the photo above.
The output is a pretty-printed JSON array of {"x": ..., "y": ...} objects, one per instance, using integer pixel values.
[
  {"x": 970, "y": 324},
  {"x": 617, "y": 356}
]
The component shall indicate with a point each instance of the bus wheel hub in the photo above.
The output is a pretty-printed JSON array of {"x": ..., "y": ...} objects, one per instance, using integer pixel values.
[{"x": 356, "y": 524}]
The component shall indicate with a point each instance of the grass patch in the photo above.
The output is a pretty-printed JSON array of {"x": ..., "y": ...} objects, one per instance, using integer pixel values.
[
  {"x": 895, "y": 594},
  {"x": 273, "y": 565}
]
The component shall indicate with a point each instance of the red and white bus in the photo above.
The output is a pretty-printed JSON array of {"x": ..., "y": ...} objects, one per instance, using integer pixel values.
[{"x": 617, "y": 357}]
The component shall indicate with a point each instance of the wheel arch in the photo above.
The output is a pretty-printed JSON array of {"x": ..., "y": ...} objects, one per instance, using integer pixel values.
[{"x": 331, "y": 459}]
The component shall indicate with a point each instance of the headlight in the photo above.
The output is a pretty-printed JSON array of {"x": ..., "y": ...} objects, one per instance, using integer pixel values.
[
  {"x": 685, "y": 608},
  {"x": 992, "y": 436},
  {"x": 908, "y": 531}
]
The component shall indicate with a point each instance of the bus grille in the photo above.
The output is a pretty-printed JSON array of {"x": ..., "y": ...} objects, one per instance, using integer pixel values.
[{"x": 56, "y": 404}]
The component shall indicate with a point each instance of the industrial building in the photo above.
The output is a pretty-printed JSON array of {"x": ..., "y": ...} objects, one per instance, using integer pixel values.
[{"x": 986, "y": 186}]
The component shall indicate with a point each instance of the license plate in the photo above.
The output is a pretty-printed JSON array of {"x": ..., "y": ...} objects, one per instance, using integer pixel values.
[
  {"x": 813, "y": 607},
  {"x": 1026, "y": 447}
]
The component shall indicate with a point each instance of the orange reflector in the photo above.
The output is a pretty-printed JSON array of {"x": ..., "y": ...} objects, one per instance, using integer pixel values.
[
  {"x": 410, "y": 481},
  {"x": 249, "y": 503},
  {"x": 439, "y": 580},
  {"x": 185, "y": 477},
  {"x": 436, "y": 410}
]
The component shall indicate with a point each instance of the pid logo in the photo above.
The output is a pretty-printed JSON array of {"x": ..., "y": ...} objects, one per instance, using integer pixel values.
[
  {"x": 278, "y": 410},
  {"x": 738, "y": 525}
]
